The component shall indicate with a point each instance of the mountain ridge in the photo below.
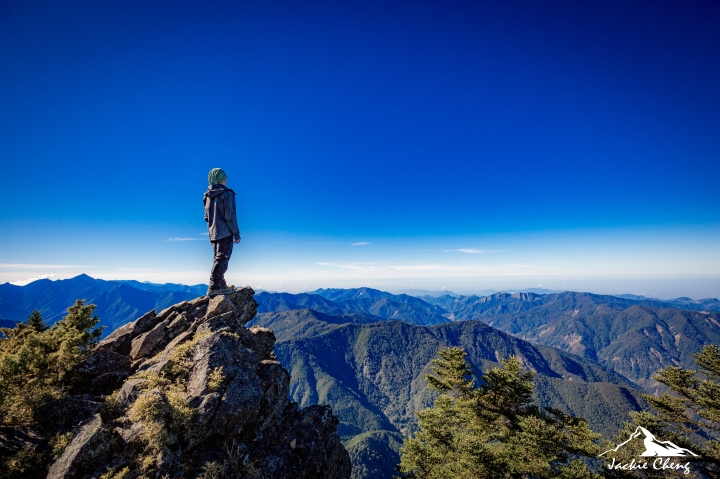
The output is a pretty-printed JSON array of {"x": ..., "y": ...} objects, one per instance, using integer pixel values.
[
  {"x": 372, "y": 374},
  {"x": 117, "y": 301},
  {"x": 581, "y": 323}
]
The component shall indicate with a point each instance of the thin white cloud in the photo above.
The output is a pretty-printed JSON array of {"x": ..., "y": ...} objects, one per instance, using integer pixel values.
[
  {"x": 30, "y": 280},
  {"x": 474, "y": 251},
  {"x": 361, "y": 243},
  {"x": 378, "y": 270},
  {"x": 183, "y": 239},
  {"x": 43, "y": 266}
]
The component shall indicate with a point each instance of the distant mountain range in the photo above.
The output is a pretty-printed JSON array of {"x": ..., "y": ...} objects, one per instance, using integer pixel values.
[
  {"x": 633, "y": 335},
  {"x": 366, "y": 352},
  {"x": 117, "y": 301},
  {"x": 421, "y": 293},
  {"x": 196, "y": 290},
  {"x": 635, "y": 338},
  {"x": 6, "y": 323},
  {"x": 708, "y": 304}
]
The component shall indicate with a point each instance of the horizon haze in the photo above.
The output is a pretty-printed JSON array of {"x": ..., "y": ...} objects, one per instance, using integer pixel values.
[{"x": 393, "y": 288}]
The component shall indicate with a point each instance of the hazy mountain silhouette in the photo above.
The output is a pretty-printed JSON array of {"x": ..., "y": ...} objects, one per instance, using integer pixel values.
[
  {"x": 5, "y": 323},
  {"x": 707, "y": 304},
  {"x": 117, "y": 301},
  {"x": 197, "y": 289},
  {"x": 421, "y": 293}
]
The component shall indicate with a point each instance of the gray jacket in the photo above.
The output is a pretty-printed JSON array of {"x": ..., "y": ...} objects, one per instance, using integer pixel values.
[{"x": 220, "y": 213}]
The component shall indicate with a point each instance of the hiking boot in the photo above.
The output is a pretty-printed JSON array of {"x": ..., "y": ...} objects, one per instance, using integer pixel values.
[{"x": 218, "y": 291}]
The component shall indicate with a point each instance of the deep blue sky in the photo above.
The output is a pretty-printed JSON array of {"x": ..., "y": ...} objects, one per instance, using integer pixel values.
[{"x": 418, "y": 127}]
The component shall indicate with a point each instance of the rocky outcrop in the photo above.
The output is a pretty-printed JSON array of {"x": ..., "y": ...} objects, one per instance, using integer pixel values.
[{"x": 190, "y": 392}]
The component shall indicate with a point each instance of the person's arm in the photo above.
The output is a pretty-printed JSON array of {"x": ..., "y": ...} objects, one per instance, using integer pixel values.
[
  {"x": 231, "y": 216},
  {"x": 205, "y": 206}
]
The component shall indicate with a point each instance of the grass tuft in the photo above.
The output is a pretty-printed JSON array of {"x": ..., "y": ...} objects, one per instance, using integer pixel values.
[
  {"x": 215, "y": 379},
  {"x": 59, "y": 442},
  {"x": 113, "y": 474}
]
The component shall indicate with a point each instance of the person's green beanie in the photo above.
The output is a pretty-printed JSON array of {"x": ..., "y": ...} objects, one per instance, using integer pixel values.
[{"x": 216, "y": 175}]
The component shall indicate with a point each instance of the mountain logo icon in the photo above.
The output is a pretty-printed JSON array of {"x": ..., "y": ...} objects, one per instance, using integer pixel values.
[{"x": 653, "y": 446}]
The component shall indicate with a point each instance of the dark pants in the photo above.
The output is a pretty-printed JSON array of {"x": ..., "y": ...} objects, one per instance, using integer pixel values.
[{"x": 223, "y": 251}]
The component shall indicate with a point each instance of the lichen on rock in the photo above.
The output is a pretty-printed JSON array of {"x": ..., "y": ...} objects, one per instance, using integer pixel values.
[{"x": 190, "y": 392}]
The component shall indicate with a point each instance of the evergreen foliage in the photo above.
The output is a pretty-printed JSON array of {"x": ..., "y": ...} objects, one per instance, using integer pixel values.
[
  {"x": 688, "y": 415},
  {"x": 452, "y": 373},
  {"x": 493, "y": 431},
  {"x": 36, "y": 362},
  {"x": 36, "y": 321}
]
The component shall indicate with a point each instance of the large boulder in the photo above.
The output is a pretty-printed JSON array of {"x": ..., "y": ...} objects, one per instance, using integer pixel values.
[
  {"x": 191, "y": 392},
  {"x": 89, "y": 446}
]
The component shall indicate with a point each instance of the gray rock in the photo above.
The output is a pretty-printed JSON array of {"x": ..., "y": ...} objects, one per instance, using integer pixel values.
[
  {"x": 245, "y": 304},
  {"x": 167, "y": 312},
  {"x": 240, "y": 404},
  {"x": 145, "y": 344},
  {"x": 119, "y": 340},
  {"x": 106, "y": 383},
  {"x": 220, "y": 396},
  {"x": 87, "y": 450},
  {"x": 156, "y": 365},
  {"x": 101, "y": 373},
  {"x": 130, "y": 434},
  {"x": 176, "y": 324},
  {"x": 263, "y": 341},
  {"x": 204, "y": 413},
  {"x": 102, "y": 362},
  {"x": 219, "y": 305},
  {"x": 180, "y": 338},
  {"x": 129, "y": 392},
  {"x": 66, "y": 412},
  {"x": 197, "y": 308},
  {"x": 164, "y": 462},
  {"x": 223, "y": 321}
]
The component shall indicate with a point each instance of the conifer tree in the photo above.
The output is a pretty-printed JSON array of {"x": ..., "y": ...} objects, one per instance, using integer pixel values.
[
  {"x": 688, "y": 415},
  {"x": 493, "y": 431},
  {"x": 36, "y": 321},
  {"x": 36, "y": 363},
  {"x": 35, "y": 360},
  {"x": 453, "y": 373}
]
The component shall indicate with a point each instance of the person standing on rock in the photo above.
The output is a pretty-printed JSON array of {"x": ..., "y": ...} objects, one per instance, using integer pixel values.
[{"x": 223, "y": 230}]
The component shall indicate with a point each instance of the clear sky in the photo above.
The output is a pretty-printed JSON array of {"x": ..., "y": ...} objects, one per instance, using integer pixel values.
[{"x": 467, "y": 145}]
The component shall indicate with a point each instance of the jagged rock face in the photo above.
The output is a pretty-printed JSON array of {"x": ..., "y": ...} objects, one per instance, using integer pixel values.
[{"x": 193, "y": 393}]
